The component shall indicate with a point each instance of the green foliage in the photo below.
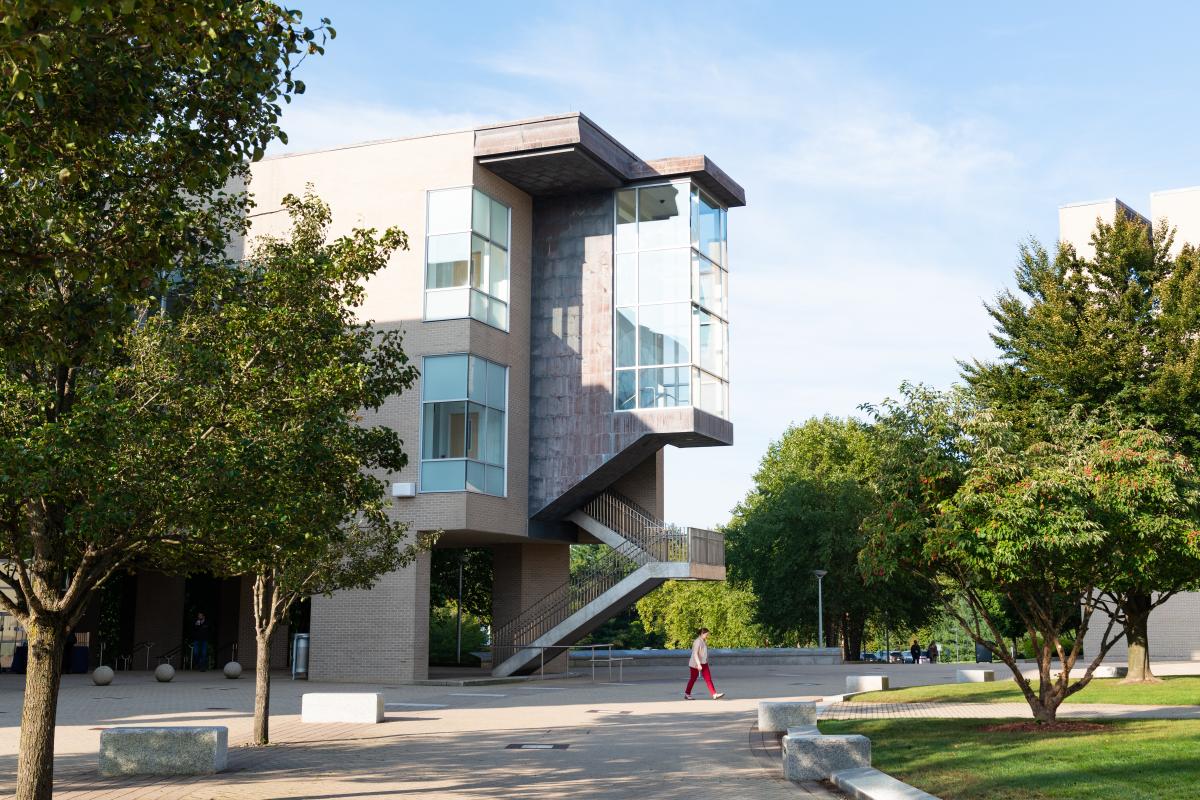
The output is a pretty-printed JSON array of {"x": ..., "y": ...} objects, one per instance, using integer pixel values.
[
  {"x": 678, "y": 609},
  {"x": 477, "y": 579},
  {"x": 443, "y": 635},
  {"x": 625, "y": 631}
]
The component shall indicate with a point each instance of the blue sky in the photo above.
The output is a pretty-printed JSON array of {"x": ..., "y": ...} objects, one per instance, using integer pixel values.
[{"x": 893, "y": 155}]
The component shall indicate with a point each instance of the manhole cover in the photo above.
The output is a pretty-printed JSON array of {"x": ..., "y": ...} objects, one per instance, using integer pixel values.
[{"x": 519, "y": 746}]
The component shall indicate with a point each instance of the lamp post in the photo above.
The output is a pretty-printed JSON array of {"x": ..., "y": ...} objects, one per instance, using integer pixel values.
[{"x": 820, "y": 573}]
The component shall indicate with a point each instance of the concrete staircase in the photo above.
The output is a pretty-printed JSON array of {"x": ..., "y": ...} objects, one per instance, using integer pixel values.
[{"x": 642, "y": 553}]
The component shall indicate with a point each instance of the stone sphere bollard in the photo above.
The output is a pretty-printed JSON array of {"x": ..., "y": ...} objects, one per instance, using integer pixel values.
[
  {"x": 102, "y": 676},
  {"x": 164, "y": 673},
  {"x": 232, "y": 670}
]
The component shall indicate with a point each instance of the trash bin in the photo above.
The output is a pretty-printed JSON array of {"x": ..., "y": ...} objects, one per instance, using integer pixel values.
[
  {"x": 300, "y": 656},
  {"x": 982, "y": 654}
]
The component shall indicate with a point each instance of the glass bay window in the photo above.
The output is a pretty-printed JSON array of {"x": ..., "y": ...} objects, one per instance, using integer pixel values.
[{"x": 466, "y": 256}]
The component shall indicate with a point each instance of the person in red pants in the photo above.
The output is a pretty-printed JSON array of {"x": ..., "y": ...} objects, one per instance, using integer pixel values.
[{"x": 698, "y": 665}]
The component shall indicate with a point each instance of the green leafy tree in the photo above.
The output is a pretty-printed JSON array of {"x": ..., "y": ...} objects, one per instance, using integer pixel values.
[
  {"x": 121, "y": 127},
  {"x": 678, "y": 609},
  {"x": 292, "y": 470},
  {"x": 477, "y": 574},
  {"x": 812, "y": 491},
  {"x": 1119, "y": 330}
]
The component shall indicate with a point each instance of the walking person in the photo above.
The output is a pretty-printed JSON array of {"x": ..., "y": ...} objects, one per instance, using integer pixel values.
[
  {"x": 916, "y": 652},
  {"x": 698, "y": 665},
  {"x": 200, "y": 630},
  {"x": 933, "y": 652}
]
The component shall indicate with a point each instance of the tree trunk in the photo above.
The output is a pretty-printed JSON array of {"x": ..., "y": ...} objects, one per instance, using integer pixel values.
[
  {"x": 262, "y": 685},
  {"x": 1137, "y": 636},
  {"x": 35, "y": 759}
]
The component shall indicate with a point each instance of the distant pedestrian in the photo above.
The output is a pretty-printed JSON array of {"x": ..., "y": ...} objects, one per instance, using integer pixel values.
[
  {"x": 200, "y": 631},
  {"x": 933, "y": 652},
  {"x": 916, "y": 652},
  {"x": 698, "y": 665}
]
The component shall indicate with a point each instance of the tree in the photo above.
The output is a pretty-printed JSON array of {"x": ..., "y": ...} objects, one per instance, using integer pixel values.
[
  {"x": 122, "y": 126},
  {"x": 293, "y": 492},
  {"x": 678, "y": 609},
  {"x": 477, "y": 574},
  {"x": 1121, "y": 329},
  {"x": 812, "y": 491},
  {"x": 979, "y": 508}
]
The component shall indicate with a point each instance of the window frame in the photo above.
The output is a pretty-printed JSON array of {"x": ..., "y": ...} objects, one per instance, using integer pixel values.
[
  {"x": 466, "y": 400},
  {"x": 469, "y": 287}
]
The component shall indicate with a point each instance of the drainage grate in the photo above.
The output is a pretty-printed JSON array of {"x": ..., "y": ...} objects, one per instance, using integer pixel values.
[
  {"x": 519, "y": 746},
  {"x": 218, "y": 708}
]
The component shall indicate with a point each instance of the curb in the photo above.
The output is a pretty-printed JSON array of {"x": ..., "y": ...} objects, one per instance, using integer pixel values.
[{"x": 869, "y": 783}]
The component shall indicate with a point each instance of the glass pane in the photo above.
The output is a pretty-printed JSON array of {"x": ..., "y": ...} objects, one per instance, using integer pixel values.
[
  {"x": 711, "y": 336},
  {"x": 663, "y": 217},
  {"x": 710, "y": 286},
  {"x": 710, "y": 232},
  {"x": 664, "y": 387},
  {"x": 479, "y": 306},
  {"x": 626, "y": 337},
  {"x": 711, "y": 393},
  {"x": 477, "y": 380},
  {"x": 481, "y": 210},
  {"x": 499, "y": 224},
  {"x": 498, "y": 315},
  {"x": 493, "y": 436},
  {"x": 626, "y": 389},
  {"x": 478, "y": 262},
  {"x": 443, "y": 476},
  {"x": 449, "y": 211},
  {"x": 445, "y": 378},
  {"x": 446, "y": 257},
  {"x": 626, "y": 279},
  {"x": 494, "y": 481},
  {"x": 446, "y": 304},
  {"x": 498, "y": 273},
  {"x": 496, "y": 388},
  {"x": 626, "y": 220},
  {"x": 475, "y": 476},
  {"x": 664, "y": 276},
  {"x": 445, "y": 430},
  {"x": 664, "y": 334},
  {"x": 474, "y": 429}
]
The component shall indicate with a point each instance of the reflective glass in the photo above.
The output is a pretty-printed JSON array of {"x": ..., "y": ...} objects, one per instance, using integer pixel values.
[
  {"x": 447, "y": 303},
  {"x": 443, "y": 476},
  {"x": 664, "y": 387},
  {"x": 710, "y": 233},
  {"x": 496, "y": 388},
  {"x": 664, "y": 276},
  {"x": 476, "y": 477},
  {"x": 626, "y": 278},
  {"x": 445, "y": 378},
  {"x": 710, "y": 286},
  {"x": 493, "y": 436},
  {"x": 499, "y": 233},
  {"x": 626, "y": 389},
  {"x": 478, "y": 262},
  {"x": 481, "y": 213},
  {"x": 447, "y": 258},
  {"x": 445, "y": 430},
  {"x": 474, "y": 429},
  {"x": 477, "y": 380},
  {"x": 711, "y": 393},
  {"x": 626, "y": 337},
  {"x": 497, "y": 285},
  {"x": 498, "y": 315},
  {"x": 494, "y": 481},
  {"x": 664, "y": 334},
  {"x": 711, "y": 338},
  {"x": 663, "y": 217},
  {"x": 479, "y": 306},
  {"x": 449, "y": 211},
  {"x": 626, "y": 220}
]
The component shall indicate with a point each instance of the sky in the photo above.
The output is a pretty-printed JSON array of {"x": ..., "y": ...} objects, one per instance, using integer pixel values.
[{"x": 894, "y": 157}]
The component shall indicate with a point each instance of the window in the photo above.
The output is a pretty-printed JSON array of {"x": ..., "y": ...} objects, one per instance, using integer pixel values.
[
  {"x": 466, "y": 257},
  {"x": 670, "y": 328},
  {"x": 463, "y": 425}
]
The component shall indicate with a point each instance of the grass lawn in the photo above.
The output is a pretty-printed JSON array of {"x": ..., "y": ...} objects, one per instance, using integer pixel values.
[
  {"x": 956, "y": 760},
  {"x": 1173, "y": 691}
]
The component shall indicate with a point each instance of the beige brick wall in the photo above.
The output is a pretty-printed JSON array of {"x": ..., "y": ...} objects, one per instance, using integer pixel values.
[
  {"x": 524, "y": 574},
  {"x": 644, "y": 485}
]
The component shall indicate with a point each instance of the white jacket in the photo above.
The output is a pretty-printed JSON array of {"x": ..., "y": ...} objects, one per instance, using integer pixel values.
[{"x": 699, "y": 653}]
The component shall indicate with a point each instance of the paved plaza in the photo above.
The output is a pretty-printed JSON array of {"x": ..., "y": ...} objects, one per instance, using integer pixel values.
[{"x": 636, "y": 737}]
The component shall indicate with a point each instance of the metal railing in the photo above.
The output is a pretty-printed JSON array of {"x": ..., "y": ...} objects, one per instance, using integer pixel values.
[{"x": 647, "y": 540}]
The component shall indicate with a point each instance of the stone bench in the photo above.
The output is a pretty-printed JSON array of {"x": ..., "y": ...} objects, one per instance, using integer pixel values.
[
  {"x": 865, "y": 782},
  {"x": 1111, "y": 672},
  {"x": 866, "y": 683},
  {"x": 975, "y": 676},
  {"x": 361, "y": 707},
  {"x": 777, "y": 717},
  {"x": 163, "y": 751},
  {"x": 810, "y": 757}
]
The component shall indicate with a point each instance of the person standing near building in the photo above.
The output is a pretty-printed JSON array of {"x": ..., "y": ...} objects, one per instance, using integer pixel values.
[
  {"x": 200, "y": 642},
  {"x": 698, "y": 665},
  {"x": 916, "y": 652},
  {"x": 933, "y": 652}
]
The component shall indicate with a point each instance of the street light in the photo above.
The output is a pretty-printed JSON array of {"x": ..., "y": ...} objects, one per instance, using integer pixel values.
[{"x": 820, "y": 573}]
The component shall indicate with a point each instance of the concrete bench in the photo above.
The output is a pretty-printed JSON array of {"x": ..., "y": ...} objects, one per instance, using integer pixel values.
[
  {"x": 1111, "y": 672},
  {"x": 866, "y": 683},
  {"x": 866, "y": 783},
  {"x": 777, "y": 717},
  {"x": 975, "y": 676},
  {"x": 817, "y": 758},
  {"x": 362, "y": 707},
  {"x": 163, "y": 751}
]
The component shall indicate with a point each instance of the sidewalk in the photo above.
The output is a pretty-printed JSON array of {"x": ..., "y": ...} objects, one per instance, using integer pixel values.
[{"x": 1000, "y": 710}]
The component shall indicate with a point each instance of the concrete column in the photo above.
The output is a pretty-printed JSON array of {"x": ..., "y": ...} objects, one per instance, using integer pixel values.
[
  {"x": 377, "y": 635},
  {"x": 524, "y": 574},
  {"x": 158, "y": 616}
]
